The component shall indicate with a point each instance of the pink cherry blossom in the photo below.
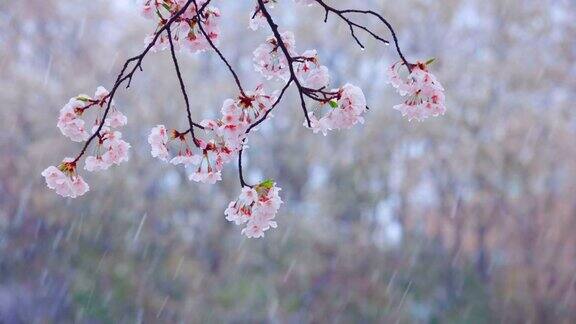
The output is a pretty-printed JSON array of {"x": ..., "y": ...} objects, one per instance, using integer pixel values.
[
  {"x": 95, "y": 163},
  {"x": 101, "y": 93},
  {"x": 256, "y": 207},
  {"x": 64, "y": 179},
  {"x": 186, "y": 158},
  {"x": 158, "y": 140},
  {"x": 205, "y": 149},
  {"x": 322, "y": 125},
  {"x": 425, "y": 93},
  {"x": 116, "y": 151},
  {"x": 116, "y": 119},
  {"x": 269, "y": 59},
  {"x": 78, "y": 187},
  {"x": 248, "y": 196}
]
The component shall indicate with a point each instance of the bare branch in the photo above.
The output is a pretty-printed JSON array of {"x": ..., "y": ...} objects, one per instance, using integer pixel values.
[{"x": 342, "y": 14}]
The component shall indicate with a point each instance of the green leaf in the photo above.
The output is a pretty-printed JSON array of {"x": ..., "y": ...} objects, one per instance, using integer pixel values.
[
  {"x": 430, "y": 61},
  {"x": 333, "y": 103},
  {"x": 268, "y": 184},
  {"x": 83, "y": 98}
]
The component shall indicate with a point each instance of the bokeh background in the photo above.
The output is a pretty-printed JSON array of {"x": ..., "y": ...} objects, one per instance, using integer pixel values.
[{"x": 469, "y": 218}]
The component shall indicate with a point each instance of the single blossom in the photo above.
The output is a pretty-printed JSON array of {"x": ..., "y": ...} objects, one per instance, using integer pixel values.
[
  {"x": 256, "y": 207},
  {"x": 116, "y": 119},
  {"x": 95, "y": 163},
  {"x": 101, "y": 93},
  {"x": 425, "y": 94},
  {"x": 158, "y": 140}
]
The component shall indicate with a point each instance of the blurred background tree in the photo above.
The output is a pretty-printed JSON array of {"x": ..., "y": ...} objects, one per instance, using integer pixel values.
[{"x": 466, "y": 218}]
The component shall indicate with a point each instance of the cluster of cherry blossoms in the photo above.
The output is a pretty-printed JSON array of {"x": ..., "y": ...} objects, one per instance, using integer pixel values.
[
  {"x": 344, "y": 106},
  {"x": 110, "y": 148},
  {"x": 425, "y": 94},
  {"x": 186, "y": 31},
  {"x": 256, "y": 207},
  {"x": 205, "y": 158},
  {"x": 344, "y": 111},
  {"x": 206, "y": 147},
  {"x": 64, "y": 179}
]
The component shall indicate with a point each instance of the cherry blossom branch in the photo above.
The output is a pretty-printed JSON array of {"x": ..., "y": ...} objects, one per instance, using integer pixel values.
[
  {"x": 342, "y": 13},
  {"x": 128, "y": 77},
  {"x": 197, "y": 28},
  {"x": 234, "y": 74},
  {"x": 290, "y": 59},
  {"x": 183, "y": 88}
]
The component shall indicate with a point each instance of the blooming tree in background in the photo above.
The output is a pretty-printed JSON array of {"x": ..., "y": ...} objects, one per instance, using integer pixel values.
[{"x": 208, "y": 145}]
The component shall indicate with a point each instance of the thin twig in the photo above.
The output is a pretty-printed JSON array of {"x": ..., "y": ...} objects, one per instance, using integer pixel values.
[
  {"x": 342, "y": 14},
  {"x": 182, "y": 87},
  {"x": 234, "y": 74}
]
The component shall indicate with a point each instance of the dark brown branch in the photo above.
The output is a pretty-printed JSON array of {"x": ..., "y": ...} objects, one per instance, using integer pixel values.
[
  {"x": 240, "y": 172},
  {"x": 342, "y": 14},
  {"x": 351, "y": 24}
]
